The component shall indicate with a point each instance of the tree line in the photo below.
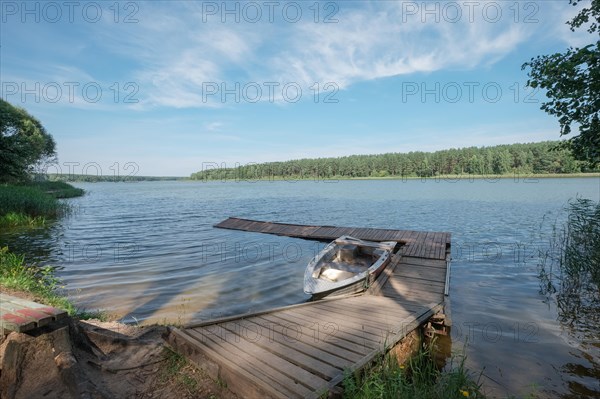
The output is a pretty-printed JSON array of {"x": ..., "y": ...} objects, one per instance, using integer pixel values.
[
  {"x": 548, "y": 157},
  {"x": 108, "y": 178}
]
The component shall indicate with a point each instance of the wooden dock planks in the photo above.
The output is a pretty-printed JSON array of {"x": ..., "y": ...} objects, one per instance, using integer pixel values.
[
  {"x": 416, "y": 244},
  {"x": 303, "y": 350},
  {"x": 21, "y": 315}
]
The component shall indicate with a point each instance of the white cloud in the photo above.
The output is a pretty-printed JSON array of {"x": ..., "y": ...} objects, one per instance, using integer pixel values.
[
  {"x": 370, "y": 41},
  {"x": 213, "y": 126}
]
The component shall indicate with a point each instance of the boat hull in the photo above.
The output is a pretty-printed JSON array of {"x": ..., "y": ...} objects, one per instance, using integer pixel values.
[{"x": 346, "y": 266}]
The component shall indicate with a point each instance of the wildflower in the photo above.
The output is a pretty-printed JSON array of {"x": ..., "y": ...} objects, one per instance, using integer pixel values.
[{"x": 464, "y": 393}]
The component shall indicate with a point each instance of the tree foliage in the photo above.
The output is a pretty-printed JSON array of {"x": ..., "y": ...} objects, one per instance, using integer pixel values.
[
  {"x": 572, "y": 83},
  {"x": 24, "y": 142},
  {"x": 518, "y": 159}
]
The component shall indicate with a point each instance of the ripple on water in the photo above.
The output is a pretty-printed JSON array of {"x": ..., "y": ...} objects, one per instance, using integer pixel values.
[{"x": 148, "y": 252}]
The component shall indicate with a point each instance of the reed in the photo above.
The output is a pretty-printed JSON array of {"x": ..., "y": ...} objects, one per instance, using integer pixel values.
[
  {"x": 33, "y": 203},
  {"x": 569, "y": 266},
  {"x": 419, "y": 378},
  {"x": 57, "y": 189}
]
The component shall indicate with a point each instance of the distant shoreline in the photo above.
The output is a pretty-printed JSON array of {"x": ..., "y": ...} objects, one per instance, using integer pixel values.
[
  {"x": 520, "y": 177},
  {"x": 515, "y": 176}
]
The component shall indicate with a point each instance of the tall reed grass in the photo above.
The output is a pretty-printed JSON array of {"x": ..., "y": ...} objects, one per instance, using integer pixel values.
[
  {"x": 569, "y": 267},
  {"x": 419, "y": 378},
  {"x": 33, "y": 203}
]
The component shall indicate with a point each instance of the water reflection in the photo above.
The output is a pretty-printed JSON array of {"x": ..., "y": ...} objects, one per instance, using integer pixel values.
[{"x": 148, "y": 251}]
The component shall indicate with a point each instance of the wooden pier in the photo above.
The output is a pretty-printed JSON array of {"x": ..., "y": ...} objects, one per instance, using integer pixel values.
[{"x": 302, "y": 351}]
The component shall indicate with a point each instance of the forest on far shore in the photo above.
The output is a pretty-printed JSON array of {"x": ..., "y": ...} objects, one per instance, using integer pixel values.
[{"x": 547, "y": 157}]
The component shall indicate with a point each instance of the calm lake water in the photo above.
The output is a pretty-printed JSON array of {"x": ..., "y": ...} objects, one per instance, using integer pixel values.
[{"x": 147, "y": 252}]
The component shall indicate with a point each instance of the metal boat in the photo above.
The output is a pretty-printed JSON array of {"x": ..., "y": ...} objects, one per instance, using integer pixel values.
[{"x": 347, "y": 265}]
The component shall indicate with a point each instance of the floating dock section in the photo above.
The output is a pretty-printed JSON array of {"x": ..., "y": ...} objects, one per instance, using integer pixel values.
[{"x": 303, "y": 351}]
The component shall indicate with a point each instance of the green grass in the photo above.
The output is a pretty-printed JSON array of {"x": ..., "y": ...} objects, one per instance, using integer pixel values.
[
  {"x": 419, "y": 378},
  {"x": 13, "y": 219},
  {"x": 175, "y": 368},
  {"x": 41, "y": 282}
]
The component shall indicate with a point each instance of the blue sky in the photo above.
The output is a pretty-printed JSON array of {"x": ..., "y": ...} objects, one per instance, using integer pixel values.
[{"x": 170, "y": 86}]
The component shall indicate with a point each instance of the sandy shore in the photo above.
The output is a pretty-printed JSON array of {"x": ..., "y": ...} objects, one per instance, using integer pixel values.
[{"x": 95, "y": 359}]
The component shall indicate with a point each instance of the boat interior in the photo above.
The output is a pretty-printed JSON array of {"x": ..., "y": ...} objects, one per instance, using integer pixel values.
[{"x": 346, "y": 261}]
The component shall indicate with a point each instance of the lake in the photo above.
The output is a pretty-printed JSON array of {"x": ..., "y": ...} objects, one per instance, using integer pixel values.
[{"x": 147, "y": 252}]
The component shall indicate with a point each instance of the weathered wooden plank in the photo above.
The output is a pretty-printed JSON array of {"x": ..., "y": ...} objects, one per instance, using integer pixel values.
[
  {"x": 288, "y": 353},
  {"x": 433, "y": 245},
  {"x": 294, "y": 330},
  {"x": 376, "y": 287},
  {"x": 400, "y": 235},
  {"x": 402, "y": 284},
  {"x": 327, "y": 334},
  {"x": 376, "y": 331},
  {"x": 406, "y": 260},
  {"x": 35, "y": 313},
  {"x": 422, "y": 244},
  {"x": 194, "y": 324},
  {"x": 21, "y": 315},
  {"x": 365, "y": 311},
  {"x": 360, "y": 316},
  {"x": 443, "y": 244},
  {"x": 302, "y": 342},
  {"x": 225, "y": 368},
  {"x": 241, "y": 370},
  {"x": 15, "y": 322},
  {"x": 268, "y": 358},
  {"x": 344, "y": 324},
  {"x": 336, "y": 323},
  {"x": 250, "y": 363},
  {"x": 414, "y": 296},
  {"x": 57, "y": 313},
  {"x": 409, "y": 289},
  {"x": 440, "y": 246},
  {"x": 357, "y": 315},
  {"x": 324, "y": 232},
  {"x": 406, "y": 281},
  {"x": 316, "y": 232},
  {"x": 431, "y": 274}
]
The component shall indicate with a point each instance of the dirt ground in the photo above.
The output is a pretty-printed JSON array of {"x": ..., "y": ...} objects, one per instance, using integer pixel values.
[{"x": 94, "y": 359}]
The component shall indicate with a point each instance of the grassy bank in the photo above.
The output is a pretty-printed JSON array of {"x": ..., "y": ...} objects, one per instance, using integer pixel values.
[
  {"x": 33, "y": 203},
  {"x": 419, "y": 378},
  {"x": 40, "y": 282}
]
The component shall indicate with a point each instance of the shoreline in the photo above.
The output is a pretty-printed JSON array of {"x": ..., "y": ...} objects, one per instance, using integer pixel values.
[{"x": 516, "y": 177}]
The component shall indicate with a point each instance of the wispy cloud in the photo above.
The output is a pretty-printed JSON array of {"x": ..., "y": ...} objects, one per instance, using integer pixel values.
[
  {"x": 176, "y": 59},
  {"x": 213, "y": 126}
]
